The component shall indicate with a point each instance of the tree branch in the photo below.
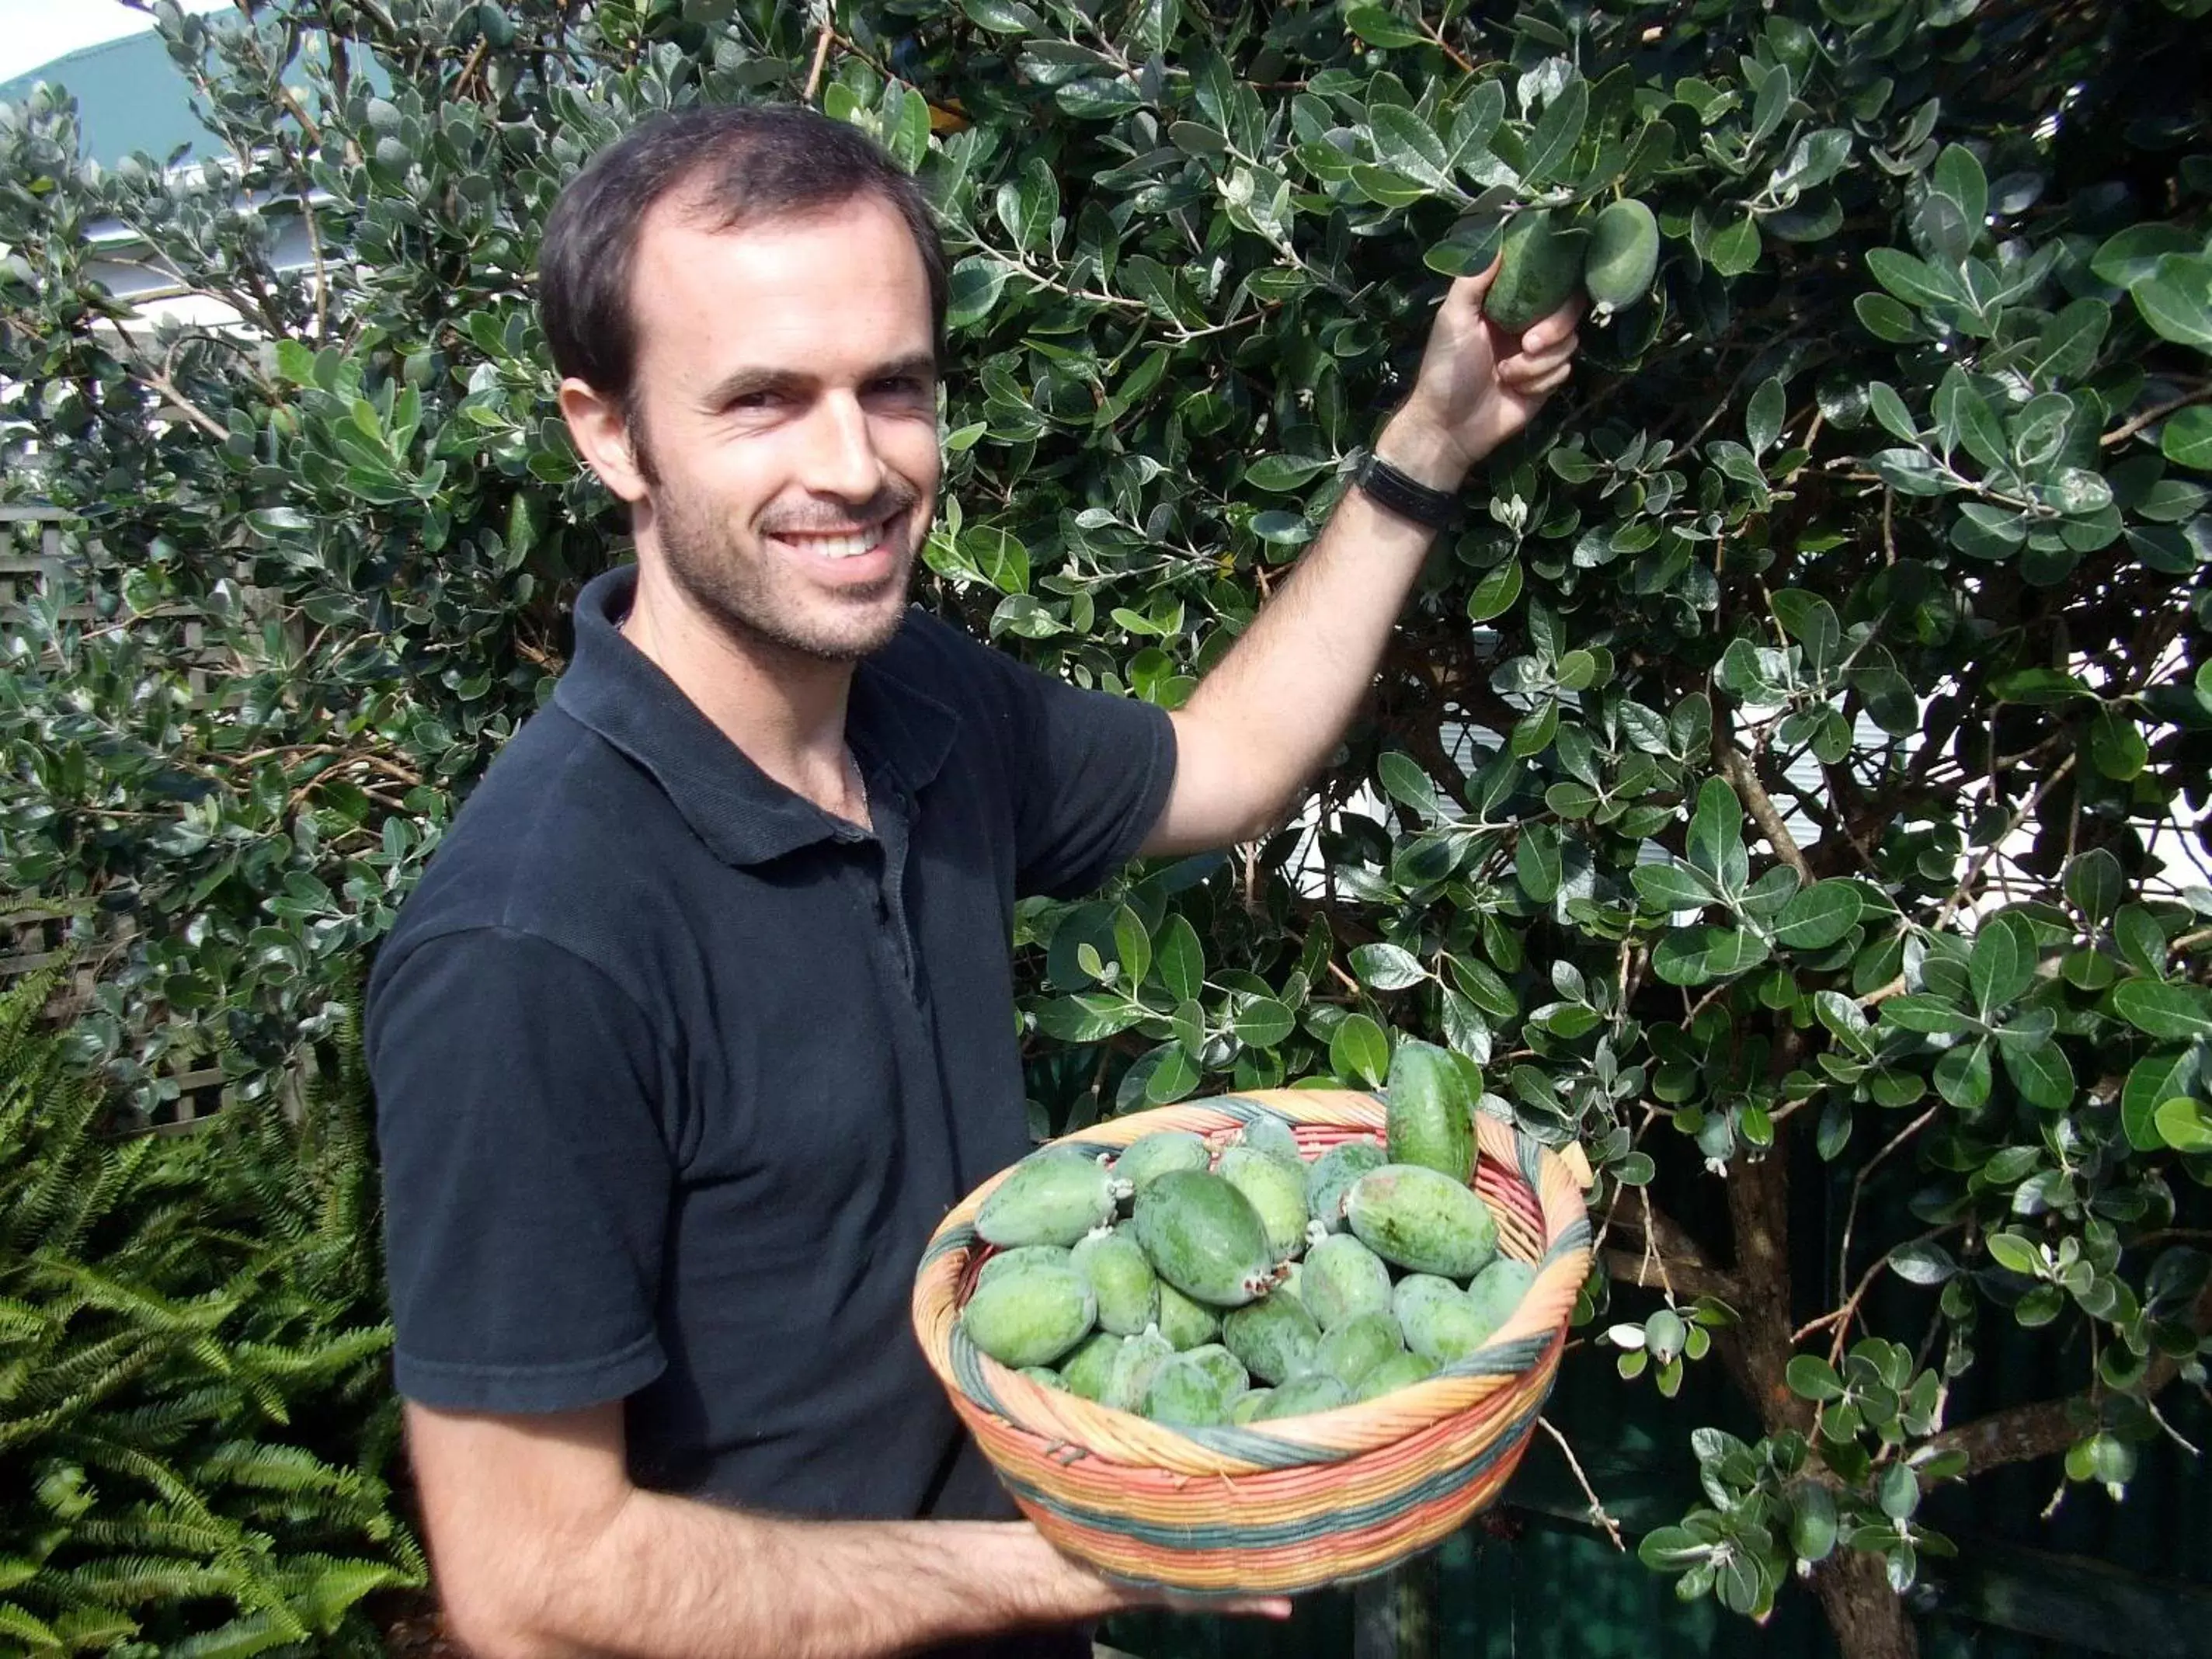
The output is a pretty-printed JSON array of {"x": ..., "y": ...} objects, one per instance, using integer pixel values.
[{"x": 1736, "y": 766}]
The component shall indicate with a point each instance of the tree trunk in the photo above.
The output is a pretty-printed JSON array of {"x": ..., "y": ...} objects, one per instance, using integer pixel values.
[{"x": 1869, "y": 1619}]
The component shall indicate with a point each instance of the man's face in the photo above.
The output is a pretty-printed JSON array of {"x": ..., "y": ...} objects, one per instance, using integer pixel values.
[{"x": 785, "y": 414}]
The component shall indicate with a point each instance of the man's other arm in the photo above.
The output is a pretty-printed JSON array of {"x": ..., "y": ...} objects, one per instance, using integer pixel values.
[
  {"x": 544, "y": 1550},
  {"x": 1263, "y": 721}
]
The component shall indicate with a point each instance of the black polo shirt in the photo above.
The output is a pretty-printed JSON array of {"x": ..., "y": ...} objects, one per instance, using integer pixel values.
[{"x": 675, "y": 1073}]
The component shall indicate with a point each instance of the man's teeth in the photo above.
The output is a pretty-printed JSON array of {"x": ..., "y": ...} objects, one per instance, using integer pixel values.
[{"x": 839, "y": 547}]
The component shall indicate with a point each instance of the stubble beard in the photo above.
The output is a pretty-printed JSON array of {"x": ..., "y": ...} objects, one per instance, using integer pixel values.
[{"x": 742, "y": 591}]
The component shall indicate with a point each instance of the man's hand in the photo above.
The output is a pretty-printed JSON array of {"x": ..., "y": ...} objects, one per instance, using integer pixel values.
[
  {"x": 1033, "y": 1556},
  {"x": 1478, "y": 385}
]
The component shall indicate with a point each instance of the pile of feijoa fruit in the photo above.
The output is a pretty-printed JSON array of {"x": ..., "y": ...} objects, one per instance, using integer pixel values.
[{"x": 1201, "y": 1290}]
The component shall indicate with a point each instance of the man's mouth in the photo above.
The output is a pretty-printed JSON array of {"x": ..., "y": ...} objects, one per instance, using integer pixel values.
[{"x": 850, "y": 542}]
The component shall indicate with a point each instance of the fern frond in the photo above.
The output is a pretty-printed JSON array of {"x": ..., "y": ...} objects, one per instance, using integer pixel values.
[
  {"x": 247, "y": 1634},
  {"x": 26, "y": 1626}
]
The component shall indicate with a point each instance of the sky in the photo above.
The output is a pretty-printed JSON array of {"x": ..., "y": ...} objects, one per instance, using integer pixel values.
[{"x": 36, "y": 32}]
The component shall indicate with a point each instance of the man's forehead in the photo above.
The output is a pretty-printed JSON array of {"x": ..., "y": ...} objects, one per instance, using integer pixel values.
[{"x": 847, "y": 274}]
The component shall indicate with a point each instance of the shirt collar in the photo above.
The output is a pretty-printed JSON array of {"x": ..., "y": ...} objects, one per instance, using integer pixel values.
[{"x": 900, "y": 734}]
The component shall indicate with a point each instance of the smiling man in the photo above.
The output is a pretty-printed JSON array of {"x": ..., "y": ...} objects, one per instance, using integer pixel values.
[{"x": 702, "y": 1015}]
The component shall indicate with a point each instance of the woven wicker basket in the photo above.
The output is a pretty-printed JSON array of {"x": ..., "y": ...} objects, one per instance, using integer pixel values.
[{"x": 1297, "y": 1502}]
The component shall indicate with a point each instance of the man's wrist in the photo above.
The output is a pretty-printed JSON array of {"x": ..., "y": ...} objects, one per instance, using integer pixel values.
[{"x": 1423, "y": 453}]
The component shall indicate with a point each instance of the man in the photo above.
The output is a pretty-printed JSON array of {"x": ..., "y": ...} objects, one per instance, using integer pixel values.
[{"x": 702, "y": 1017}]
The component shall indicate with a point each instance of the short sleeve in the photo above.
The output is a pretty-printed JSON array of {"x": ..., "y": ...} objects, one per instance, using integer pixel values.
[
  {"x": 526, "y": 1176},
  {"x": 1091, "y": 779}
]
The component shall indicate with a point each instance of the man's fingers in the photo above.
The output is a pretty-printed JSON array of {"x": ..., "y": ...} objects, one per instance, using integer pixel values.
[
  {"x": 1250, "y": 1606},
  {"x": 1529, "y": 366},
  {"x": 1549, "y": 384},
  {"x": 1469, "y": 290},
  {"x": 1542, "y": 335}
]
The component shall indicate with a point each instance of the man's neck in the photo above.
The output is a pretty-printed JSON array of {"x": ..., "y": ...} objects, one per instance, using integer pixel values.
[{"x": 784, "y": 709}]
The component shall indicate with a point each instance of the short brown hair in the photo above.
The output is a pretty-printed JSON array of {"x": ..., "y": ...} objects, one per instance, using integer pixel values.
[{"x": 745, "y": 164}]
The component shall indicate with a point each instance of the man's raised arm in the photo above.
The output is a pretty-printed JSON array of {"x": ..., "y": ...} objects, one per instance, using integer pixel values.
[{"x": 1262, "y": 723}]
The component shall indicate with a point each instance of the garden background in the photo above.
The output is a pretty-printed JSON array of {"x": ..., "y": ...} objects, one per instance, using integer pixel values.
[{"x": 1788, "y": 783}]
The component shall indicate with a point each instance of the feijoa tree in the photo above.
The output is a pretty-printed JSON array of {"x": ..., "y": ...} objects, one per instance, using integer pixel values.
[{"x": 1785, "y": 783}]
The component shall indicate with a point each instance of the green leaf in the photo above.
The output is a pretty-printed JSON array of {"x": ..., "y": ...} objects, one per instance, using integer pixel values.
[
  {"x": 1537, "y": 863},
  {"x": 1913, "y": 281},
  {"x": 1558, "y": 130},
  {"x": 2118, "y": 747},
  {"x": 1694, "y": 955},
  {"x": 2129, "y": 256},
  {"x": 1818, "y": 915},
  {"x": 2094, "y": 884},
  {"x": 2014, "y": 1253},
  {"x": 1262, "y": 1022},
  {"x": 1378, "y": 26},
  {"x": 1179, "y": 959},
  {"x": 1735, "y": 249},
  {"x": 2151, "y": 1083},
  {"x": 1924, "y": 1263},
  {"x": 1899, "y": 1492},
  {"x": 1282, "y": 473},
  {"x": 1812, "y": 1521},
  {"x": 2187, "y": 439},
  {"x": 1496, "y": 593},
  {"x": 1387, "y": 967},
  {"x": 2176, "y": 299},
  {"x": 1027, "y": 206},
  {"x": 2184, "y": 1124},
  {"x": 2041, "y": 1073},
  {"x": 974, "y": 286},
  {"x": 1133, "y": 947},
  {"x": 1672, "y": 887},
  {"x": 2002, "y": 963},
  {"x": 1957, "y": 173},
  {"x": 1811, "y": 1377},
  {"x": 1357, "y": 1049},
  {"x": 2163, "y": 1010},
  {"x": 1763, "y": 419},
  {"x": 1963, "y": 1075},
  {"x": 1715, "y": 837}
]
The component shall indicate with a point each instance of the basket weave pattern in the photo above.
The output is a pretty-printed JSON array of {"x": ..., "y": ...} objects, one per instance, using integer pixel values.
[{"x": 1295, "y": 1502}]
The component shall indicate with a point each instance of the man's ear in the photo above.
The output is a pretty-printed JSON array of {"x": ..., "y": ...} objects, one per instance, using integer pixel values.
[{"x": 602, "y": 438}]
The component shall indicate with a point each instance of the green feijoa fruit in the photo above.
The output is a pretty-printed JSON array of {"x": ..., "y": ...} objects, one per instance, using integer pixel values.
[
  {"x": 1275, "y": 1338},
  {"x": 1204, "y": 1237},
  {"x": 1186, "y": 1393},
  {"x": 1430, "y": 1117},
  {"x": 1294, "y": 1273},
  {"x": 1251, "y": 1405},
  {"x": 1030, "y": 1315},
  {"x": 1049, "y": 1198},
  {"x": 1623, "y": 255},
  {"x": 1340, "y": 1280},
  {"x": 1022, "y": 1256},
  {"x": 1316, "y": 1391},
  {"x": 1541, "y": 266},
  {"x": 1046, "y": 1375},
  {"x": 1159, "y": 1151},
  {"x": 1357, "y": 1346},
  {"x": 1444, "y": 1327},
  {"x": 1415, "y": 1290},
  {"x": 1223, "y": 1364},
  {"x": 1329, "y": 1176},
  {"x": 1185, "y": 1323},
  {"x": 1399, "y": 1370},
  {"x": 1131, "y": 1373},
  {"x": 1496, "y": 1290},
  {"x": 1128, "y": 1290},
  {"x": 1085, "y": 1370},
  {"x": 1278, "y": 1192},
  {"x": 1427, "y": 1223},
  {"x": 1273, "y": 1137}
]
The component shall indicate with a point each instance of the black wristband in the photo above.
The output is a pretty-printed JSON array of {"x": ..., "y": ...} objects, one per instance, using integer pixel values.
[{"x": 1391, "y": 489}]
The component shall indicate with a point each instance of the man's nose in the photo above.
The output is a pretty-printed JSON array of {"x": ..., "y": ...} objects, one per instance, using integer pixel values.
[{"x": 842, "y": 459}]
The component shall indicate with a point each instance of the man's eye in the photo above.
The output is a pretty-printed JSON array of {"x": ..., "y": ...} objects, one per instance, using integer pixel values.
[
  {"x": 902, "y": 386},
  {"x": 753, "y": 400}
]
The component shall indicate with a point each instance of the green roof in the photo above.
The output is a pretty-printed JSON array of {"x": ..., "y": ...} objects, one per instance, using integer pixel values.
[{"x": 130, "y": 97}]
